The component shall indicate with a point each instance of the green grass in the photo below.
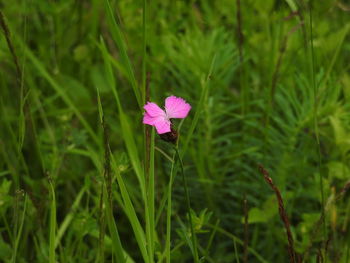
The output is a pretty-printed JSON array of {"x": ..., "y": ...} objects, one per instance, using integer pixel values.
[{"x": 83, "y": 180}]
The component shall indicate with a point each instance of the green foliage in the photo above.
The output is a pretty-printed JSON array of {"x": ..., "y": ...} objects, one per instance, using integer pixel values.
[{"x": 79, "y": 183}]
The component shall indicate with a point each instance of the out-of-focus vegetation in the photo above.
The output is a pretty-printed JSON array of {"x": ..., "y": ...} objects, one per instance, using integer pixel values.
[{"x": 268, "y": 82}]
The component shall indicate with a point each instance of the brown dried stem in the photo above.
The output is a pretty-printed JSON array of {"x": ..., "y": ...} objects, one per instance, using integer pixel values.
[
  {"x": 282, "y": 212},
  {"x": 107, "y": 175},
  {"x": 7, "y": 34}
]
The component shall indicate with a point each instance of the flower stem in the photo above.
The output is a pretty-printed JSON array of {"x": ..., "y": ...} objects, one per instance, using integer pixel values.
[
  {"x": 193, "y": 237},
  {"x": 168, "y": 220}
]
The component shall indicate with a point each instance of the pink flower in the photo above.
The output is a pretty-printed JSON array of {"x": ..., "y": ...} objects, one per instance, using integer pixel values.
[{"x": 175, "y": 108}]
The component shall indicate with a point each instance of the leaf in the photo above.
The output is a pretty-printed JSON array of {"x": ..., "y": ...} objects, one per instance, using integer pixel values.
[
  {"x": 256, "y": 215},
  {"x": 338, "y": 170},
  {"x": 340, "y": 134}
]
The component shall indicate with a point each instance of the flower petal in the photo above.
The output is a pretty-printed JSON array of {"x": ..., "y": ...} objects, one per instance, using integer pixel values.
[
  {"x": 147, "y": 119},
  {"x": 162, "y": 126},
  {"x": 153, "y": 110},
  {"x": 161, "y": 123},
  {"x": 176, "y": 107}
]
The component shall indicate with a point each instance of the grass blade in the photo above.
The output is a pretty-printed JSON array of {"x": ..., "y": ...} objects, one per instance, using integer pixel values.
[
  {"x": 193, "y": 236},
  {"x": 69, "y": 217},
  {"x": 151, "y": 212},
  {"x": 107, "y": 197},
  {"x": 19, "y": 230},
  {"x": 41, "y": 69},
  {"x": 118, "y": 38},
  {"x": 131, "y": 213},
  {"x": 168, "y": 214},
  {"x": 52, "y": 225},
  {"x": 128, "y": 206},
  {"x": 126, "y": 130},
  {"x": 200, "y": 106},
  {"x": 113, "y": 230}
]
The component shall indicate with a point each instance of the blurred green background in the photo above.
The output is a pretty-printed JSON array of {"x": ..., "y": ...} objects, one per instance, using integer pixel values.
[{"x": 269, "y": 84}]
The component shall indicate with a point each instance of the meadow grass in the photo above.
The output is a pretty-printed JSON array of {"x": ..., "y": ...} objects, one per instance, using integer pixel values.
[{"x": 83, "y": 180}]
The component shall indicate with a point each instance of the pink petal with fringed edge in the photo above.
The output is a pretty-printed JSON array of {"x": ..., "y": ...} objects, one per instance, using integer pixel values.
[
  {"x": 153, "y": 110},
  {"x": 176, "y": 107},
  {"x": 161, "y": 123},
  {"x": 162, "y": 126}
]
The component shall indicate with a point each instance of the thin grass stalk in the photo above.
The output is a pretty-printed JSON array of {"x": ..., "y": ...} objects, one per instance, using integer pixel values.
[
  {"x": 52, "y": 225},
  {"x": 315, "y": 112},
  {"x": 327, "y": 243},
  {"x": 211, "y": 238},
  {"x": 24, "y": 106},
  {"x": 236, "y": 251},
  {"x": 113, "y": 230},
  {"x": 15, "y": 217},
  {"x": 283, "y": 214},
  {"x": 69, "y": 217},
  {"x": 135, "y": 161},
  {"x": 163, "y": 255},
  {"x": 240, "y": 41},
  {"x": 301, "y": 18},
  {"x": 168, "y": 215},
  {"x": 324, "y": 81},
  {"x": 19, "y": 233},
  {"x": 144, "y": 51},
  {"x": 131, "y": 213},
  {"x": 8, "y": 229},
  {"x": 7, "y": 34},
  {"x": 133, "y": 153},
  {"x": 150, "y": 213},
  {"x": 58, "y": 89},
  {"x": 147, "y": 128},
  {"x": 161, "y": 206},
  {"x": 240, "y": 35},
  {"x": 107, "y": 174},
  {"x": 107, "y": 193},
  {"x": 145, "y": 84},
  {"x": 282, "y": 51},
  {"x": 274, "y": 79},
  {"x": 207, "y": 258},
  {"x": 106, "y": 182},
  {"x": 149, "y": 146},
  {"x": 102, "y": 224},
  {"x": 319, "y": 257},
  {"x": 26, "y": 127},
  {"x": 102, "y": 221},
  {"x": 238, "y": 241},
  {"x": 168, "y": 199},
  {"x": 178, "y": 246},
  {"x": 200, "y": 106},
  {"x": 184, "y": 180},
  {"x": 149, "y": 168},
  {"x": 126, "y": 129},
  {"x": 320, "y": 221},
  {"x": 246, "y": 230},
  {"x": 119, "y": 40}
]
